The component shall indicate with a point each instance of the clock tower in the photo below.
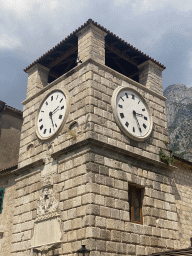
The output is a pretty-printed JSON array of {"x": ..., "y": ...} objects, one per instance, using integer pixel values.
[{"x": 89, "y": 170}]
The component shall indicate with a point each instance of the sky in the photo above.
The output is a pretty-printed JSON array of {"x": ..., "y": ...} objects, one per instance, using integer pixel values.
[{"x": 28, "y": 29}]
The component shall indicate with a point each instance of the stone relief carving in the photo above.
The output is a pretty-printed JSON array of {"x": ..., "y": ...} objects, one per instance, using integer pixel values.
[
  {"x": 47, "y": 181},
  {"x": 47, "y": 202},
  {"x": 47, "y": 226}
]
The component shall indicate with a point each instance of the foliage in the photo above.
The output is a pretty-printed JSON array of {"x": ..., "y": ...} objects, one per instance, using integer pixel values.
[
  {"x": 165, "y": 159},
  {"x": 73, "y": 134}
]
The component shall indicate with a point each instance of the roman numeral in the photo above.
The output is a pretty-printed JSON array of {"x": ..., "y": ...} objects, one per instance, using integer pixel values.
[
  {"x": 121, "y": 115},
  {"x": 133, "y": 96},
  {"x": 42, "y": 111},
  {"x": 140, "y": 129},
  {"x": 60, "y": 116},
  {"x": 143, "y": 109},
  {"x": 41, "y": 127},
  {"x": 50, "y": 130},
  {"x": 122, "y": 98},
  {"x": 120, "y": 106},
  {"x": 145, "y": 117},
  {"x": 55, "y": 125},
  {"x": 61, "y": 100},
  {"x": 138, "y": 101},
  {"x": 46, "y": 103},
  {"x": 126, "y": 95},
  {"x": 133, "y": 129},
  {"x": 62, "y": 107},
  {"x": 144, "y": 126},
  {"x": 40, "y": 120},
  {"x": 127, "y": 124},
  {"x": 45, "y": 131},
  {"x": 51, "y": 98}
]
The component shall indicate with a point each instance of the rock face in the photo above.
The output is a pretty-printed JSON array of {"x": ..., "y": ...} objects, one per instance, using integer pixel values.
[{"x": 179, "y": 119}]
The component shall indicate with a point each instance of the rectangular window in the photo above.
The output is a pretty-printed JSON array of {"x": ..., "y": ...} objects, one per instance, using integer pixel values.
[
  {"x": 1, "y": 199},
  {"x": 135, "y": 204}
]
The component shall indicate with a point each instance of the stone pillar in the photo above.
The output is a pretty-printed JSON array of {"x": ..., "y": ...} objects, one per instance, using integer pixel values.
[
  {"x": 150, "y": 75},
  {"x": 37, "y": 79},
  {"x": 91, "y": 44}
]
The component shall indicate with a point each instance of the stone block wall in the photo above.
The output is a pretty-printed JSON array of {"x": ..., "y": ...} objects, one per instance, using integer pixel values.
[
  {"x": 71, "y": 188},
  {"x": 91, "y": 44},
  {"x": 27, "y": 192},
  {"x": 182, "y": 178},
  {"x": 91, "y": 186},
  {"x": 111, "y": 229},
  {"x": 37, "y": 79},
  {"x": 10, "y": 132},
  {"x": 91, "y": 88},
  {"x": 105, "y": 81},
  {"x": 75, "y": 197},
  {"x": 150, "y": 75},
  {"x": 6, "y": 217},
  {"x": 78, "y": 83},
  {"x": 91, "y": 182}
]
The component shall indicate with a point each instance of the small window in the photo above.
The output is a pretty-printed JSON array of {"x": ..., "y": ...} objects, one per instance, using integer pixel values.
[
  {"x": 1, "y": 199},
  {"x": 135, "y": 204}
]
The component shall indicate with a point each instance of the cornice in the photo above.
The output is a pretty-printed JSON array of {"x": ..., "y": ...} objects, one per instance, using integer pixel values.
[
  {"x": 104, "y": 67},
  {"x": 93, "y": 145},
  {"x": 39, "y": 162}
]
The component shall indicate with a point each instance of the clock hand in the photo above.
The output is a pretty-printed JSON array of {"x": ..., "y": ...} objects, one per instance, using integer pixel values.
[
  {"x": 134, "y": 114},
  {"x": 50, "y": 115},
  {"x": 139, "y": 114},
  {"x": 145, "y": 117},
  {"x": 138, "y": 124},
  {"x": 55, "y": 110}
]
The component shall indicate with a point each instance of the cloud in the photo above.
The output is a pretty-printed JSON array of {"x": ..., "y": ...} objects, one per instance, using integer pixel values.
[
  {"x": 9, "y": 42},
  {"x": 144, "y": 6},
  {"x": 38, "y": 24},
  {"x": 161, "y": 29},
  {"x": 27, "y": 9}
]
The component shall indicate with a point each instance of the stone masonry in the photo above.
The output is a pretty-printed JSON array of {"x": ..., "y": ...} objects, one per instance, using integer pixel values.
[
  {"x": 182, "y": 179},
  {"x": 91, "y": 163},
  {"x": 6, "y": 217}
]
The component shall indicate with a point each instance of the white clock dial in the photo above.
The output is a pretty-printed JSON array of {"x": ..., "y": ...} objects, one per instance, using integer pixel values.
[
  {"x": 132, "y": 113},
  {"x": 51, "y": 114}
]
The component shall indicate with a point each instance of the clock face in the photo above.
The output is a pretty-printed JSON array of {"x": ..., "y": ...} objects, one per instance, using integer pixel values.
[
  {"x": 132, "y": 113},
  {"x": 51, "y": 114}
]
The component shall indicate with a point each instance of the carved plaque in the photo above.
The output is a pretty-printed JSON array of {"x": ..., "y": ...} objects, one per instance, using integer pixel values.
[
  {"x": 47, "y": 229},
  {"x": 47, "y": 202},
  {"x": 46, "y": 233}
]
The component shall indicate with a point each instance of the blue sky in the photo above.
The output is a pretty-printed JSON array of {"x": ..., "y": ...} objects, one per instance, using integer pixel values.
[{"x": 161, "y": 29}]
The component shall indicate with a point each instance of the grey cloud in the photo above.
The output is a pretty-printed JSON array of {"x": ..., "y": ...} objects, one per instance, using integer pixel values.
[{"x": 163, "y": 34}]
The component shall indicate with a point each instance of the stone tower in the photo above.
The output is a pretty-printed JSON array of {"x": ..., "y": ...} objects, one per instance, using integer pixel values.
[{"x": 89, "y": 170}]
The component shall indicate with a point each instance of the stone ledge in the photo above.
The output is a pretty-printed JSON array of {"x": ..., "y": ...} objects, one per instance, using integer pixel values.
[
  {"x": 105, "y": 68},
  {"x": 29, "y": 166},
  {"x": 8, "y": 171},
  {"x": 89, "y": 143}
]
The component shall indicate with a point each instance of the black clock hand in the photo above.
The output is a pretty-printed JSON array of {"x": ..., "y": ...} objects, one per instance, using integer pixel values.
[
  {"x": 138, "y": 124},
  {"x": 50, "y": 115},
  {"x": 139, "y": 114},
  {"x": 134, "y": 114},
  {"x": 55, "y": 110}
]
